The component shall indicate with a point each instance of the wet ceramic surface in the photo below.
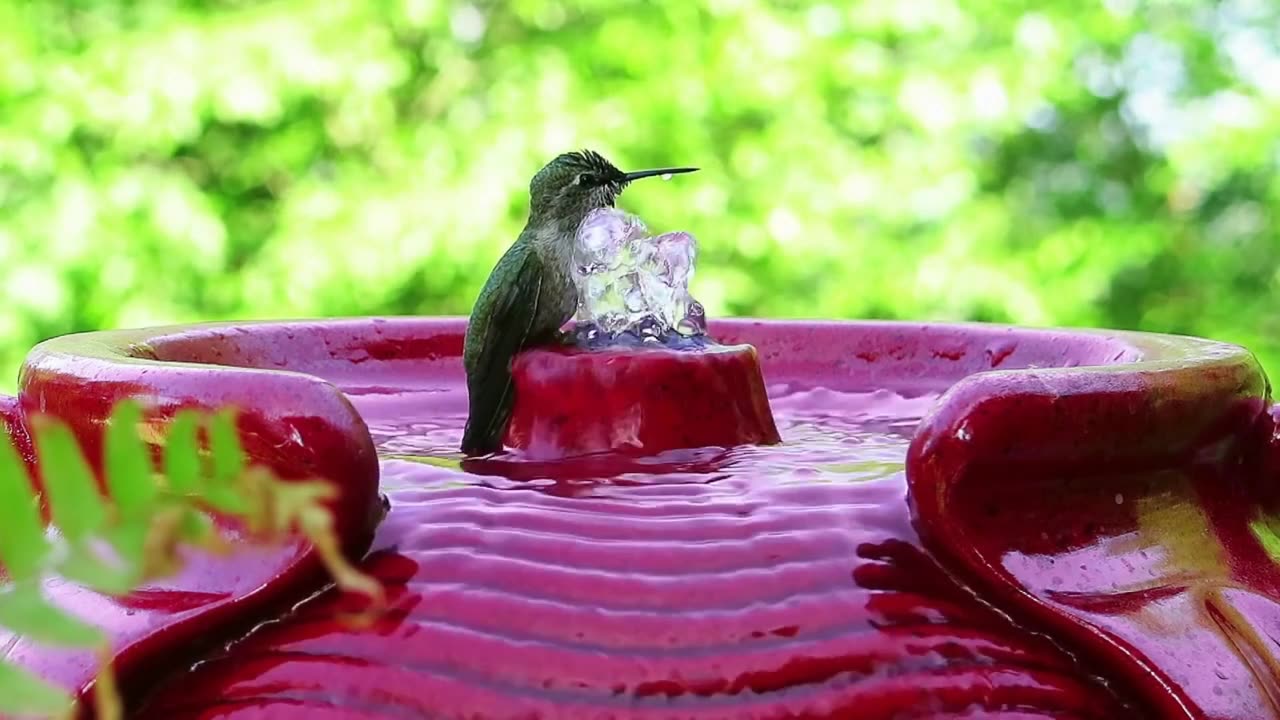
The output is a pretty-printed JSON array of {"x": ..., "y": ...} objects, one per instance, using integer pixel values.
[{"x": 960, "y": 521}]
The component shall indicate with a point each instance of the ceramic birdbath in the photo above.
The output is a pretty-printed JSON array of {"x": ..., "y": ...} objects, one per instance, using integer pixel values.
[
  {"x": 726, "y": 520},
  {"x": 889, "y": 521}
]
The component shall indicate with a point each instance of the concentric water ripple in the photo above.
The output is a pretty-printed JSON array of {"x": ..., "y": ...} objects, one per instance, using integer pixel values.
[{"x": 782, "y": 582}]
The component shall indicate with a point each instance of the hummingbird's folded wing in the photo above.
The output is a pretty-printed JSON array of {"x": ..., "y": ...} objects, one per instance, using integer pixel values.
[{"x": 500, "y": 328}]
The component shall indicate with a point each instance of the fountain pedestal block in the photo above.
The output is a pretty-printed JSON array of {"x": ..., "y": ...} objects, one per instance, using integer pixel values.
[{"x": 572, "y": 401}]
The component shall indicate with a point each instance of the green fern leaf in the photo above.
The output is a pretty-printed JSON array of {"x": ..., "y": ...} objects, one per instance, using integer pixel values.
[
  {"x": 196, "y": 528},
  {"x": 24, "y": 610},
  {"x": 224, "y": 443},
  {"x": 23, "y": 547},
  {"x": 22, "y": 693},
  {"x": 129, "y": 541},
  {"x": 114, "y": 543},
  {"x": 222, "y": 490},
  {"x": 182, "y": 454},
  {"x": 86, "y": 565},
  {"x": 75, "y": 504},
  {"x": 129, "y": 470}
]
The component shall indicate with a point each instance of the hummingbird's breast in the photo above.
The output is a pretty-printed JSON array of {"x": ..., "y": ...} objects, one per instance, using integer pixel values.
[{"x": 559, "y": 296}]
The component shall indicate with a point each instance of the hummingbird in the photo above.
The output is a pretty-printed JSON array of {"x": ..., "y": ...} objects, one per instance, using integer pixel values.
[{"x": 530, "y": 293}]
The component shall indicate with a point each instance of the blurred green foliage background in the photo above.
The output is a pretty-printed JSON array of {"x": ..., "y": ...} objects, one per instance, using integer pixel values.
[{"x": 1072, "y": 162}]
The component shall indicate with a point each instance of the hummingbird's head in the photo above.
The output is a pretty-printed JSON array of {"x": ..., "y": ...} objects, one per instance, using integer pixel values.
[{"x": 575, "y": 183}]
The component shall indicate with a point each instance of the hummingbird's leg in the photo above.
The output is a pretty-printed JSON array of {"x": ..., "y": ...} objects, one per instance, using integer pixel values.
[
  {"x": 552, "y": 338},
  {"x": 562, "y": 338}
]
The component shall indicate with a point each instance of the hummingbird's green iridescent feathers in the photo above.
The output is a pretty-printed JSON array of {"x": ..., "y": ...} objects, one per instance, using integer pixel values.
[{"x": 500, "y": 326}]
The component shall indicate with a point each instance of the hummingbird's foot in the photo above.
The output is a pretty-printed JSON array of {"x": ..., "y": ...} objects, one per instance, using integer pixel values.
[{"x": 562, "y": 339}]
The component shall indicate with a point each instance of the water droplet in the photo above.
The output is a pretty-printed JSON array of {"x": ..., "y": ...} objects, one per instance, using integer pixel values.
[
  {"x": 629, "y": 281},
  {"x": 1119, "y": 498},
  {"x": 666, "y": 176}
]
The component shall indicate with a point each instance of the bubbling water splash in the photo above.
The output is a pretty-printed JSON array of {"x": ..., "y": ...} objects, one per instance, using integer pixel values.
[{"x": 634, "y": 286}]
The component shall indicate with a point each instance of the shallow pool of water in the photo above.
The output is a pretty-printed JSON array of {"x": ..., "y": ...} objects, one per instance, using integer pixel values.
[{"x": 756, "y": 582}]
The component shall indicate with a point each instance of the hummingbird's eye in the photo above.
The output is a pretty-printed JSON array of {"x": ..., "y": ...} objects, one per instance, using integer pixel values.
[{"x": 587, "y": 179}]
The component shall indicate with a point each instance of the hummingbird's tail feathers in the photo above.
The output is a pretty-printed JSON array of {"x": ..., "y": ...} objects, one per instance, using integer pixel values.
[
  {"x": 490, "y": 410},
  {"x": 476, "y": 442},
  {"x": 473, "y": 445}
]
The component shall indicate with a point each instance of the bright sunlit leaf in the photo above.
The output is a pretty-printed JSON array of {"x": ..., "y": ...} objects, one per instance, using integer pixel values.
[
  {"x": 1264, "y": 529},
  {"x": 224, "y": 443},
  {"x": 181, "y": 454},
  {"x": 114, "y": 552},
  {"x": 77, "y": 507},
  {"x": 87, "y": 566},
  {"x": 193, "y": 527},
  {"x": 228, "y": 466},
  {"x": 24, "y": 694},
  {"x": 129, "y": 468},
  {"x": 24, "y": 610},
  {"x": 22, "y": 543}
]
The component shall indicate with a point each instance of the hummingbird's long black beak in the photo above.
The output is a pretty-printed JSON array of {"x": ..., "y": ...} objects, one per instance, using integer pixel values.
[{"x": 659, "y": 171}]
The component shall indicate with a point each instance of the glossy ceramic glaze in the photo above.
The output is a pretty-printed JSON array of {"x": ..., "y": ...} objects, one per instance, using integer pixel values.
[
  {"x": 960, "y": 521},
  {"x": 571, "y": 402}
]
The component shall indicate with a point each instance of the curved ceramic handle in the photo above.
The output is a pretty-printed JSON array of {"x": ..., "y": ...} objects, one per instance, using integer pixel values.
[
  {"x": 299, "y": 425},
  {"x": 1097, "y": 500}
]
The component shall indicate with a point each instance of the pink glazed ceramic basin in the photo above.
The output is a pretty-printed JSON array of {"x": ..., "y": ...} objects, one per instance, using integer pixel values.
[{"x": 960, "y": 521}]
